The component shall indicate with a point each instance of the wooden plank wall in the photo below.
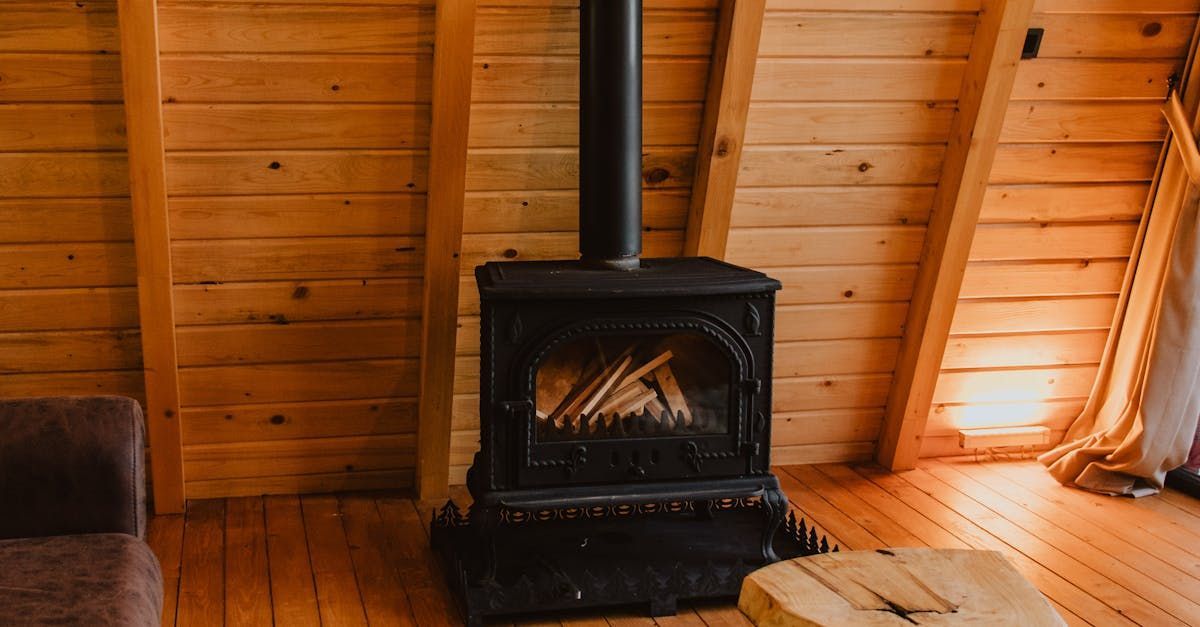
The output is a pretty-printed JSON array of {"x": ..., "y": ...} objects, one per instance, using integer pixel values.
[
  {"x": 297, "y": 139},
  {"x": 68, "y": 301},
  {"x": 848, "y": 123},
  {"x": 1079, "y": 146},
  {"x": 522, "y": 159}
]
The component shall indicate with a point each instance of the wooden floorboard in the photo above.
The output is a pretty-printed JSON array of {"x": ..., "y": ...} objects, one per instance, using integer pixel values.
[{"x": 364, "y": 559}]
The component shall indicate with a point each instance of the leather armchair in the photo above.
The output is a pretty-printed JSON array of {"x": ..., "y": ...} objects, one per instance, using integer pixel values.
[{"x": 73, "y": 513}]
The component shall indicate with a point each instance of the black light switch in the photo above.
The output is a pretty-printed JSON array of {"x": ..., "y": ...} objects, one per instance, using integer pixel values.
[{"x": 1033, "y": 43}]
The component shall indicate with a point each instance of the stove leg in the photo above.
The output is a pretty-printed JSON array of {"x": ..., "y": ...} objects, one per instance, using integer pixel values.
[
  {"x": 486, "y": 521},
  {"x": 775, "y": 505},
  {"x": 663, "y": 606}
]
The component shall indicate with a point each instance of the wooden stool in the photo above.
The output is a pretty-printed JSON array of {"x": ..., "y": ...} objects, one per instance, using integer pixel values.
[{"x": 895, "y": 587}]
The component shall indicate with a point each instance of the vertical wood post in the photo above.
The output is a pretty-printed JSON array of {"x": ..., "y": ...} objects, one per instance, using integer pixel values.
[
  {"x": 723, "y": 127},
  {"x": 138, "y": 21},
  {"x": 982, "y": 101},
  {"x": 453, "y": 55}
]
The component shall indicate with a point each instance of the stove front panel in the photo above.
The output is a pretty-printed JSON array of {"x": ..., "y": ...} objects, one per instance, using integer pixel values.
[{"x": 595, "y": 392}]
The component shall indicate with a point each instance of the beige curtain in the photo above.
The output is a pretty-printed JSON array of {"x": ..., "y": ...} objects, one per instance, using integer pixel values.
[{"x": 1141, "y": 417}]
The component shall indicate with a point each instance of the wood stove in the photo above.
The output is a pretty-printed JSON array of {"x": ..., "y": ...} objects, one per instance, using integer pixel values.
[{"x": 625, "y": 403}]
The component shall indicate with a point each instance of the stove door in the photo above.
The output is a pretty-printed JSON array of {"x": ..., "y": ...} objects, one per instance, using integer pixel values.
[{"x": 612, "y": 400}]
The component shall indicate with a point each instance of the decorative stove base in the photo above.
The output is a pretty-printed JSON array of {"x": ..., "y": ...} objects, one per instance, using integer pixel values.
[{"x": 654, "y": 555}]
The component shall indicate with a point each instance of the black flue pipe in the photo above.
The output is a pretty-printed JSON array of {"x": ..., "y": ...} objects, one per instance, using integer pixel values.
[{"x": 610, "y": 133}]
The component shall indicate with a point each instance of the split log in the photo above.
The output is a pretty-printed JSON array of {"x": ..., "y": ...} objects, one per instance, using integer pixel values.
[
  {"x": 899, "y": 587},
  {"x": 647, "y": 368},
  {"x": 676, "y": 402}
]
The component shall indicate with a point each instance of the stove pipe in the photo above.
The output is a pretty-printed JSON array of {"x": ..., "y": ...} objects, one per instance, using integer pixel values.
[{"x": 610, "y": 133}]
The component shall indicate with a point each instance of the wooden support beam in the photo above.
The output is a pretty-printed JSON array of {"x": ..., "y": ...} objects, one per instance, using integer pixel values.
[
  {"x": 975, "y": 131},
  {"x": 453, "y": 55},
  {"x": 724, "y": 126},
  {"x": 138, "y": 21}
]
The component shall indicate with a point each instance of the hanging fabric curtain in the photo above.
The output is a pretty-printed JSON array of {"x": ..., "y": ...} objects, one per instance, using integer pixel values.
[{"x": 1140, "y": 420}]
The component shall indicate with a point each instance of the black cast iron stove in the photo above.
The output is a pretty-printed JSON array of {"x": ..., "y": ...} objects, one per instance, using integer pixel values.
[{"x": 625, "y": 403}]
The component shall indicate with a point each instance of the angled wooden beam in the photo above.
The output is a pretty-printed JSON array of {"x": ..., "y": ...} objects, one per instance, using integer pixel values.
[
  {"x": 453, "y": 54},
  {"x": 723, "y": 128},
  {"x": 986, "y": 88},
  {"x": 138, "y": 21}
]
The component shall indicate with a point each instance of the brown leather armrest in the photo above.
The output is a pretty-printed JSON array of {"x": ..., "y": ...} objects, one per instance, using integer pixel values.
[{"x": 71, "y": 465}]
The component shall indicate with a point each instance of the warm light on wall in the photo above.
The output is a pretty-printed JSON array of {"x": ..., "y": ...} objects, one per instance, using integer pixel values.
[{"x": 998, "y": 415}]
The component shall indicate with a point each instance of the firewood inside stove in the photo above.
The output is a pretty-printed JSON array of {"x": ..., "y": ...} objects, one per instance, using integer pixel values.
[{"x": 594, "y": 394}]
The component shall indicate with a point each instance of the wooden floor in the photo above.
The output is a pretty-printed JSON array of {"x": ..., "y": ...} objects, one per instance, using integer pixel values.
[{"x": 364, "y": 559}]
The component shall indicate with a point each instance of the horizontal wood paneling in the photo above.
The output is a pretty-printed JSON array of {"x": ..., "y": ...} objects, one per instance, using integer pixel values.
[
  {"x": 266, "y": 383},
  {"x": 558, "y": 210},
  {"x": 840, "y": 206},
  {"x": 295, "y": 172},
  {"x": 505, "y": 169},
  {"x": 74, "y": 127},
  {"x": 795, "y": 246},
  {"x": 1038, "y": 314},
  {"x": 298, "y": 457},
  {"x": 554, "y": 31},
  {"x": 1052, "y": 241},
  {"x": 218, "y": 217},
  {"x": 1064, "y": 203},
  {"x": 282, "y": 29},
  {"x": 46, "y": 174},
  {"x": 851, "y": 109},
  {"x": 297, "y": 139},
  {"x": 848, "y": 122},
  {"x": 281, "y": 126},
  {"x": 1080, "y": 143},
  {"x": 59, "y": 27},
  {"x": 291, "y": 301},
  {"x": 68, "y": 308},
  {"x": 291, "y": 421},
  {"x": 882, "y": 35},
  {"x": 815, "y": 357},
  {"x": 481, "y": 247},
  {"x": 70, "y": 264},
  {"x": 297, "y": 342},
  {"x": 1115, "y": 35},
  {"x": 1015, "y": 385},
  {"x": 300, "y": 78},
  {"x": 64, "y": 351},
  {"x": 530, "y": 125},
  {"x": 555, "y": 79},
  {"x": 1054, "y": 79},
  {"x": 43, "y": 309},
  {"x": 46, "y": 77},
  {"x": 856, "y": 165},
  {"x": 1007, "y": 351},
  {"x": 842, "y": 79},
  {"x": 65, "y": 220},
  {"x": 1042, "y": 278},
  {"x": 839, "y": 321},
  {"x": 1082, "y": 121},
  {"x": 1074, "y": 163},
  {"x": 319, "y": 483},
  {"x": 108, "y": 382},
  {"x": 201, "y": 261}
]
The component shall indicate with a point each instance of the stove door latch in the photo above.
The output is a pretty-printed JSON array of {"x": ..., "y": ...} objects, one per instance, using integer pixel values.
[
  {"x": 752, "y": 386},
  {"x": 517, "y": 409}
]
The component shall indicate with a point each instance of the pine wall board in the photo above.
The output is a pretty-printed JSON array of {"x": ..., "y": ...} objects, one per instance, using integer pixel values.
[
  {"x": 297, "y": 140},
  {"x": 1079, "y": 147},
  {"x": 68, "y": 301},
  {"x": 849, "y": 117}
]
